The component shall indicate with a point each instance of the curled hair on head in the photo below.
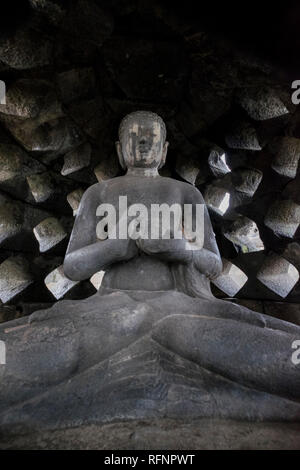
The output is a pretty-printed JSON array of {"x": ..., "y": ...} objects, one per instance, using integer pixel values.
[{"x": 141, "y": 115}]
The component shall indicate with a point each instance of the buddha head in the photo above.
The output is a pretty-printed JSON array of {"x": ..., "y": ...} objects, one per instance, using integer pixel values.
[{"x": 142, "y": 141}]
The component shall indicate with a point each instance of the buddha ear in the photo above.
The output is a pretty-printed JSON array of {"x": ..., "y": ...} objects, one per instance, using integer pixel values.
[
  {"x": 120, "y": 155},
  {"x": 164, "y": 155}
]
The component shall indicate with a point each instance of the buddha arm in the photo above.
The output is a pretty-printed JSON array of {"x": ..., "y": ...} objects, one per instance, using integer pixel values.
[
  {"x": 86, "y": 254},
  {"x": 206, "y": 259}
]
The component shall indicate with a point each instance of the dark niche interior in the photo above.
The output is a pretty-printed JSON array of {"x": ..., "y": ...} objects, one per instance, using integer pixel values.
[{"x": 220, "y": 77}]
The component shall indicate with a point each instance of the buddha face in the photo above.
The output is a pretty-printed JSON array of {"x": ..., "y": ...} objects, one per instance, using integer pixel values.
[{"x": 142, "y": 144}]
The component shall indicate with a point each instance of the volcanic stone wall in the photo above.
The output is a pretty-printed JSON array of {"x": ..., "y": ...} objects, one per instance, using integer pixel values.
[{"x": 72, "y": 70}]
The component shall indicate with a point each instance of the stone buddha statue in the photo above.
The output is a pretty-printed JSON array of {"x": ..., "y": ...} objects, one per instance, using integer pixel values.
[
  {"x": 142, "y": 264},
  {"x": 153, "y": 342}
]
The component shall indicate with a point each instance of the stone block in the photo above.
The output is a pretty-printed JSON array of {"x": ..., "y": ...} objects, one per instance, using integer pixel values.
[
  {"x": 244, "y": 233},
  {"x": 27, "y": 98},
  {"x": 26, "y": 49},
  {"x": 49, "y": 233},
  {"x": 74, "y": 199},
  {"x": 283, "y": 217},
  {"x": 231, "y": 280},
  {"x": 77, "y": 159},
  {"x": 42, "y": 186},
  {"x": 246, "y": 180},
  {"x": 242, "y": 136},
  {"x": 261, "y": 103},
  {"x": 286, "y": 152},
  {"x": 14, "y": 277},
  {"x": 58, "y": 284},
  {"x": 218, "y": 162},
  {"x": 278, "y": 275},
  {"x": 217, "y": 199}
]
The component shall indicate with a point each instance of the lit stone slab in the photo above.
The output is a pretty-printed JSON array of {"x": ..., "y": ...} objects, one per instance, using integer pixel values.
[
  {"x": 77, "y": 159},
  {"x": 96, "y": 279},
  {"x": 287, "y": 153},
  {"x": 283, "y": 217},
  {"x": 278, "y": 275},
  {"x": 261, "y": 103},
  {"x": 231, "y": 280},
  {"x": 74, "y": 199},
  {"x": 14, "y": 277},
  {"x": 218, "y": 199},
  {"x": 218, "y": 163},
  {"x": 244, "y": 233},
  {"x": 58, "y": 284},
  {"x": 49, "y": 233},
  {"x": 41, "y": 186}
]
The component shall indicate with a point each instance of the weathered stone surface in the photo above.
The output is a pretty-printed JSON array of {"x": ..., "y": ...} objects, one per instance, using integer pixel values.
[
  {"x": 244, "y": 233},
  {"x": 74, "y": 199},
  {"x": 41, "y": 186},
  {"x": 76, "y": 83},
  {"x": 27, "y": 98},
  {"x": 291, "y": 190},
  {"x": 246, "y": 180},
  {"x": 163, "y": 434},
  {"x": 14, "y": 162},
  {"x": 218, "y": 163},
  {"x": 77, "y": 159},
  {"x": 26, "y": 49},
  {"x": 16, "y": 223},
  {"x": 261, "y": 103},
  {"x": 89, "y": 115},
  {"x": 196, "y": 163},
  {"x": 217, "y": 199},
  {"x": 243, "y": 136},
  {"x": 49, "y": 233},
  {"x": 58, "y": 284},
  {"x": 151, "y": 360},
  {"x": 14, "y": 277},
  {"x": 283, "y": 217},
  {"x": 11, "y": 219},
  {"x": 292, "y": 254},
  {"x": 231, "y": 280},
  {"x": 286, "y": 152},
  {"x": 54, "y": 137},
  {"x": 278, "y": 275}
]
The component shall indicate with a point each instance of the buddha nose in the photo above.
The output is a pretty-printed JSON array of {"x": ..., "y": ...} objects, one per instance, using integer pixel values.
[{"x": 142, "y": 140}]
